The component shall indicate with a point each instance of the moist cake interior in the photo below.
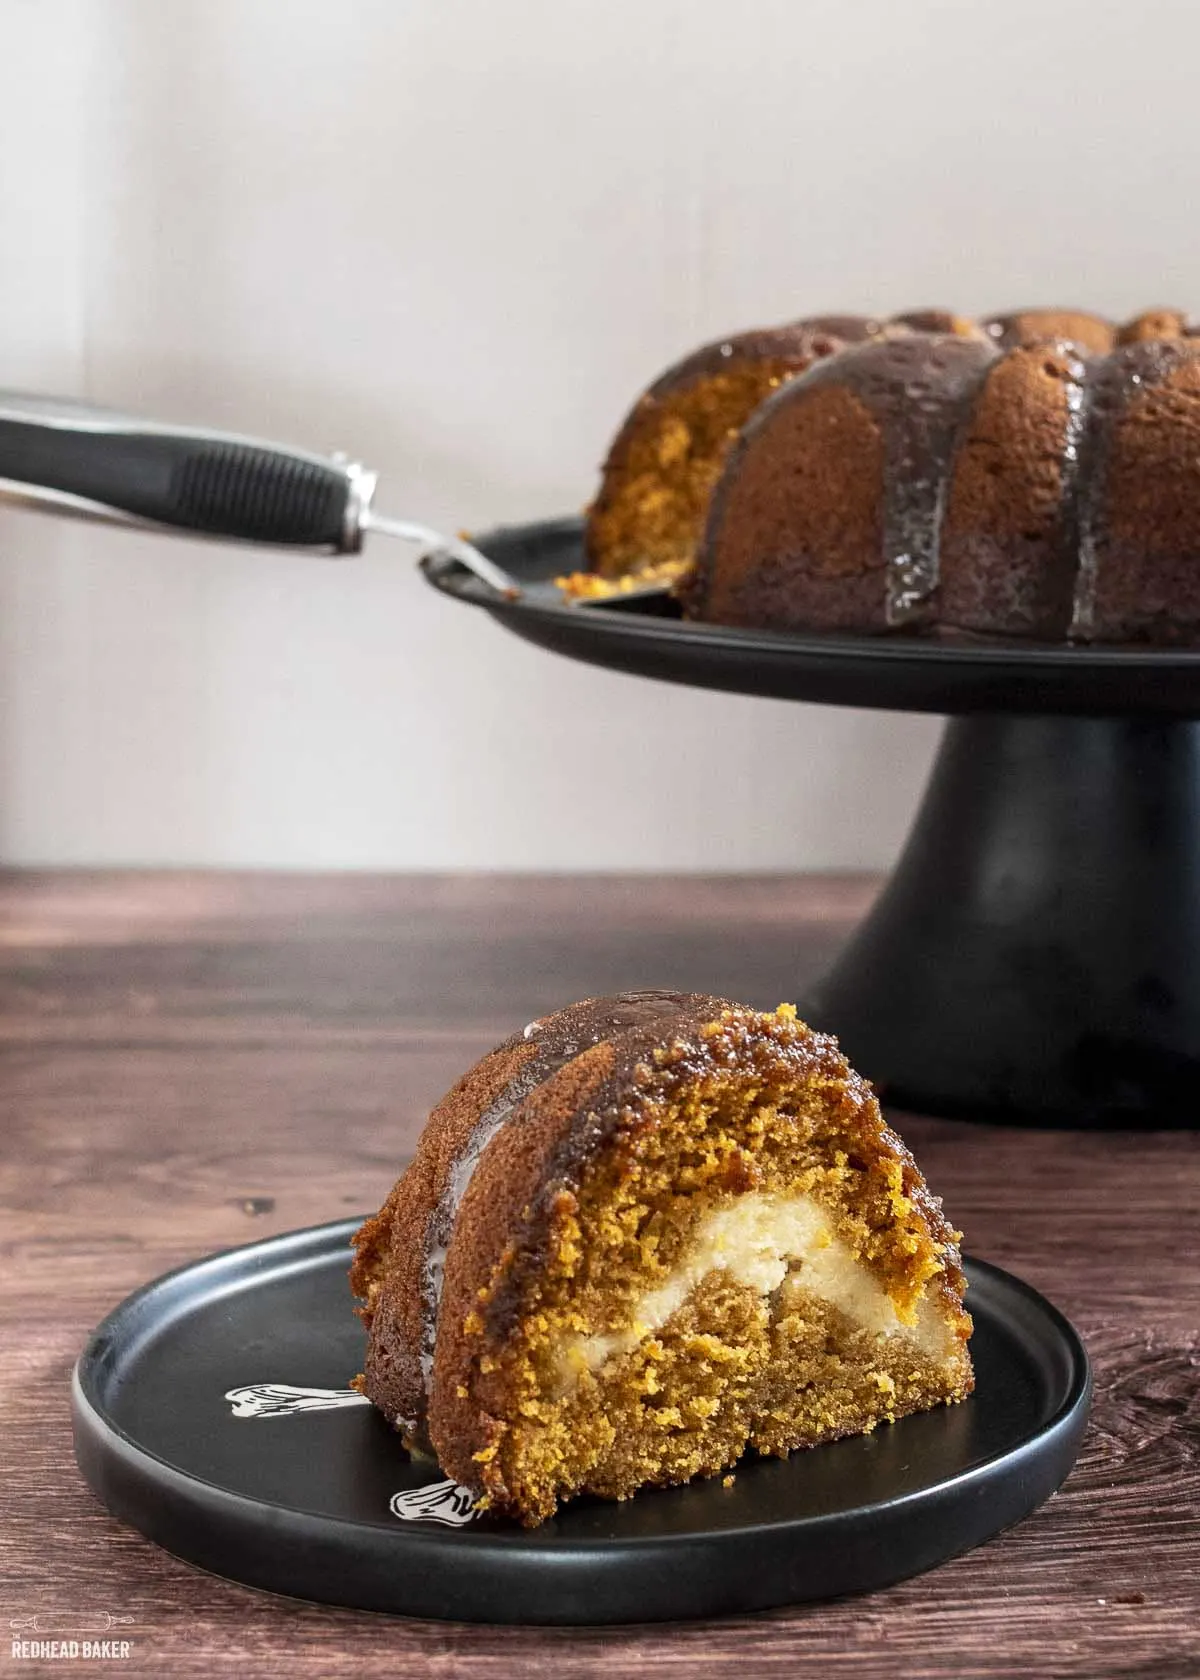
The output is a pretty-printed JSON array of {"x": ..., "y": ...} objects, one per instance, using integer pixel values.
[
  {"x": 648, "y": 528},
  {"x": 729, "y": 1282}
]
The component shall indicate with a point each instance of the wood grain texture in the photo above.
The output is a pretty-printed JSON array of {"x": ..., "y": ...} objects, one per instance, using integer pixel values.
[{"x": 192, "y": 1061}]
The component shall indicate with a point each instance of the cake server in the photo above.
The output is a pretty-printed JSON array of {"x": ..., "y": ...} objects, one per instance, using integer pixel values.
[{"x": 81, "y": 462}]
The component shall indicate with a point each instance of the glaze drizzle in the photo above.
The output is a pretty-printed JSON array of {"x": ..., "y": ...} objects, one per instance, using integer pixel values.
[{"x": 926, "y": 424}]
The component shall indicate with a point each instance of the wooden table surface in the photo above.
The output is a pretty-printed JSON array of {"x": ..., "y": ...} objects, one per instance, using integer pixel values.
[{"x": 192, "y": 1061}]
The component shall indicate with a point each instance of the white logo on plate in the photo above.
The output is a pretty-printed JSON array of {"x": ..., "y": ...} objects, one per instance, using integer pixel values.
[
  {"x": 441, "y": 1502},
  {"x": 281, "y": 1399}
]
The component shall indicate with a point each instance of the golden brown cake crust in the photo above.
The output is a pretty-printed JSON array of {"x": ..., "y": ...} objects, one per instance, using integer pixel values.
[
  {"x": 1155, "y": 323},
  {"x": 1009, "y": 543},
  {"x": 826, "y": 515},
  {"x": 1037, "y": 326},
  {"x": 390, "y": 1272},
  {"x": 795, "y": 533},
  {"x": 1139, "y": 578},
  {"x": 390, "y": 1258}
]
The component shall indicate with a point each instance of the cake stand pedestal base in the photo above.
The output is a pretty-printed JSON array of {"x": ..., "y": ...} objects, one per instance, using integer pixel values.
[{"x": 1035, "y": 957}]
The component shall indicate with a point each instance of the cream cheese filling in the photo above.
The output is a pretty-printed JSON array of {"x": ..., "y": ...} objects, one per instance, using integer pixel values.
[{"x": 759, "y": 1239}]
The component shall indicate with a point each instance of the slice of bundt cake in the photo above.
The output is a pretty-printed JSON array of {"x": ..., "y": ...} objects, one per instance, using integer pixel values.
[{"x": 643, "y": 1235}]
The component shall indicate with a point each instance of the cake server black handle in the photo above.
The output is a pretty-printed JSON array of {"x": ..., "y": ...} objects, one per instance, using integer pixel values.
[{"x": 93, "y": 464}]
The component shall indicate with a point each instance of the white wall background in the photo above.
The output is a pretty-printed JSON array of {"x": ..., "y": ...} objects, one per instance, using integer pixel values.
[{"x": 455, "y": 237}]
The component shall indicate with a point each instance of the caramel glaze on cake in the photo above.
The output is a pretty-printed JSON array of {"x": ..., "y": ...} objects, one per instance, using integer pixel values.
[
  {"x": 642, "y": 1235},
  {"x": 1009, "y": 486}
]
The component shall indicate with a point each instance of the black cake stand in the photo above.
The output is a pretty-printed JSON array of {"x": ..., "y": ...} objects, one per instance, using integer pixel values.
[{"x": 1035, "y": 956}]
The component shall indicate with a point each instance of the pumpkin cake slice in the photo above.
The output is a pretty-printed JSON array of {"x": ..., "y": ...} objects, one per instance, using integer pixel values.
[{"x": 645, "y": 1234}]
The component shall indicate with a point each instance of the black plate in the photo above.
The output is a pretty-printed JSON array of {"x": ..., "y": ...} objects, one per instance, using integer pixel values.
[
  {"x": 302, "y": 1502},
  {"x": 900, "y": 674}
]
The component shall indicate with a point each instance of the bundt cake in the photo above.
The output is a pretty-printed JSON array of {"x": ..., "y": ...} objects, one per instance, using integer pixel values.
[
  {"x": 647, "y": 1233},
  {"x": 1032, "y": 476}
]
